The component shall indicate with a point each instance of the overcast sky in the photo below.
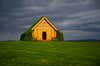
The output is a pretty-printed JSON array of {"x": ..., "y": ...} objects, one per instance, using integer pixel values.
[{"x": 77, "y": 19}]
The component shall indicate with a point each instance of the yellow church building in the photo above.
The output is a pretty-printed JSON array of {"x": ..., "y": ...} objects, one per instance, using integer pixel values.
[{"x": 43, "y": 30}]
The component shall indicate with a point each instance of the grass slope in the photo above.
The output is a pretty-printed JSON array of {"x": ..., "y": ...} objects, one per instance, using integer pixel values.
[{"x": 22, "y": 53}]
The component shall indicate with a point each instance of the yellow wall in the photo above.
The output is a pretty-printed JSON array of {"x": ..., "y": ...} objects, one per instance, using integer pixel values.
[{"x": 43, "y": 26}]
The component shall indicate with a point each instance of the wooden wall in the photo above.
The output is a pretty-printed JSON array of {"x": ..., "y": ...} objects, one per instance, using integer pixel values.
[{"x": 43, "y": 27}]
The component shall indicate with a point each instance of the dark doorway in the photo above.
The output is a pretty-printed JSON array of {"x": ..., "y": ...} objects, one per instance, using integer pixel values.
[{"x": 44, "y": 35}]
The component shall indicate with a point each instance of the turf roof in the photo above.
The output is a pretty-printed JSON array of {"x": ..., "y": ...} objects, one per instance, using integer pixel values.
[{"x": 36, "y": 21}]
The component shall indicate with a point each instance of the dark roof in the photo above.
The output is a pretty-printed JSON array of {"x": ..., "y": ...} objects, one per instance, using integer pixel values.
[{"x": 36, "y": 21}]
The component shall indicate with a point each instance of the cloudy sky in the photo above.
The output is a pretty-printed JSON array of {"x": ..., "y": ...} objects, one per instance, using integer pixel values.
[{"x": 77, "y": 19}]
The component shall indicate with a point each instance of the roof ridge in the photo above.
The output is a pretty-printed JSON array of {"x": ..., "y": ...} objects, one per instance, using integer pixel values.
[{"x": 37, "y": 21}]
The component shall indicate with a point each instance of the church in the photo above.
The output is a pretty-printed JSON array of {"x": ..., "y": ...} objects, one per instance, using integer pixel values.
[{"x": 42, "y": 30}]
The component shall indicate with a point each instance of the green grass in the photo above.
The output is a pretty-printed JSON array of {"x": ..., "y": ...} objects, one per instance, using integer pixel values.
[{"x": 21, "y": 53}]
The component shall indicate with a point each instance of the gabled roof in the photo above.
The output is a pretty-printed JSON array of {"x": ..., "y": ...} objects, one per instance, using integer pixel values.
[{"x": 43, "y": 18}]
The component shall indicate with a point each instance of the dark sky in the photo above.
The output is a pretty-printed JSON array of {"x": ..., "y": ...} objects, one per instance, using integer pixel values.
[{"x": 77, "y": 19}]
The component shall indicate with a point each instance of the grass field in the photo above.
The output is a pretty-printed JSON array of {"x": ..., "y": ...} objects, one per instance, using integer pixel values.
[{"x": 20, "y": 53}]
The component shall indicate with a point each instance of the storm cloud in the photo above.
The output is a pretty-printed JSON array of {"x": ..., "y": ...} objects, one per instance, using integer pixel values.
[{"x": 77, "y": 19}]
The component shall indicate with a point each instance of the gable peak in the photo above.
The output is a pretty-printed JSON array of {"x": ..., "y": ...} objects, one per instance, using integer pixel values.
[
  {"x": 47, "y": 20},
  {"x": 44, "y": 17}
]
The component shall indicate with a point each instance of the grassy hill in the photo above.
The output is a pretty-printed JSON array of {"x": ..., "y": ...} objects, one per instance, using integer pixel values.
[{"x": 21, "y": 53}]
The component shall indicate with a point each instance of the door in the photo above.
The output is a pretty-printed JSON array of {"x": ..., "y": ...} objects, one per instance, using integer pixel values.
[{"x": 43, "y": 35}]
